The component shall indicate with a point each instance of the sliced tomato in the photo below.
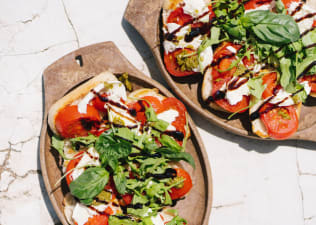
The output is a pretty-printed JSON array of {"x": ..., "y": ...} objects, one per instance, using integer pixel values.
[
  {"x": 98, "y": 103},
  {"x": 127, "y": 198},
  {"x": 97, "y": 220},
  {"x": 311, "y": 81},
  {"x": 253, "y": 4},
  {"x": 248, "y": 62},
  {"x": 269, "y": 79},
  {"x": 281, "y": 122},
  {"x": 70, "y": 123},
  {"x": 221, "y": 75},
  {"x": 172, "y": 66},
  {"x": 314, "y": 24},
  {"x": 287, "y": 3},
  {"x": 176, "y": 193},
  {"x": 179, "y": 17},
  {"x": 71, "y": 165},
  {"x": 212, "y": 14}
]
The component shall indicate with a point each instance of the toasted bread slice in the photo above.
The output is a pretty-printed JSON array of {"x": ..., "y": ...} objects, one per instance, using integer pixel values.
[{"x": 76, "y": 94}]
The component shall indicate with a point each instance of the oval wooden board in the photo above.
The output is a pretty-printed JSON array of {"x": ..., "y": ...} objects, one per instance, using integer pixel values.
[
  {"x": 144, "y": 16},
  {"x": 66, "y": 73}
]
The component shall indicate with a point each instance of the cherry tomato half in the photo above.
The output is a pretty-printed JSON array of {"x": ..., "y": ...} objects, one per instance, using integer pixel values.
[{"x": 176, "y": 193}]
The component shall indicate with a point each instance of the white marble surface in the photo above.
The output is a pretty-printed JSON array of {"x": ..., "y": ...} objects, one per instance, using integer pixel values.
[{"x": 255, "y": 182}]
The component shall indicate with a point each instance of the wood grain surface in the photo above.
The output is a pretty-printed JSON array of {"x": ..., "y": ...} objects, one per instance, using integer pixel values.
[
  {"x": 80, "y": 65},
  {"x": 144, "y": 16}
]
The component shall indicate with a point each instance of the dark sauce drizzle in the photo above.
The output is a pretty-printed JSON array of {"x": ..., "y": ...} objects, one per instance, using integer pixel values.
[
  {"x": 309, "y": 15},
  {"x": 297, "y": 9}
]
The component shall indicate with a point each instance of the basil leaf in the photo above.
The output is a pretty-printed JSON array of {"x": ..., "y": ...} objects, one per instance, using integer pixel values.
[
  {"x": 177, "y": 221},
  {"x": 111, "y": 149},
  {"x": 89, "y": 184},
  {"x": 58, "y": 144},
  {"x": 168, "y": 141},
  {"x": 120, "y": 182},
  {"x": 270, "y": 27}
]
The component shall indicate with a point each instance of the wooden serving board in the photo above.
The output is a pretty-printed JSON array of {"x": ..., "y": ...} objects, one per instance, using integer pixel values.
[
  {"x": 80, "y": 65},
  {"x": 145, "y": 17}
]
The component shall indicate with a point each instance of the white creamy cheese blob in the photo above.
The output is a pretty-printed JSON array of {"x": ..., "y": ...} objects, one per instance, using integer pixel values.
[
  {"x": 194, "y": 7},
  {"x": 304, "y": 24},
  {"x": 169, "y": 116},
  {"x": 82, "y": 106},
  {"x": 206, "y": 58},
  {"x": 82, "y": 213},
  {"x": 85, "y": 161},
  {"x": 172, "y": 27},
  {"x": 116, "y": 113},
  {"x": 307, "y": 88},
  {"x": 262, "y": 7},
  {"x": 157, "y": 220},
  {"x": 115, "y": 91},
  {"x": 283, "y": 97},
  {"x": 236, "y": 95},
  {"x": 232, "y": 49}
]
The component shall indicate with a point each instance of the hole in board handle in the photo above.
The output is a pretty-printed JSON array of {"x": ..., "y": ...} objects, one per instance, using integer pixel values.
[{"x": 79, "y": 60}]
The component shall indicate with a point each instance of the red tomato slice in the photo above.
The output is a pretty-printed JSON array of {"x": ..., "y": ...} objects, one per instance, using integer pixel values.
[
  {"x": 179, "y": 17},
  {"x": 253, "y": 4},
  {"x": 98, "y": 103},
  {"x": 70, "y": 123},
  {"x": 248, "y": 62},
  {"x": 270, "y": 80},
  {"x": 220, "y": 78},
  {"x": 127, "y": 198},
  {"x": 277, "y": 126},
  {"x": 176, "y": 193},
  {"x": 212, "y": 14},
  {"x": 311, "y": 81},
  {"x": 97, "y": 220},
  {"x": 172, "y": 66},
  {"x": 71, "y": 165}
]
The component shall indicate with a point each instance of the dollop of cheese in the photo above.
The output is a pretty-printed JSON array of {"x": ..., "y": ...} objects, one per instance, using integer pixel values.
[
  {"x": 236, "y": 95},
  {"x": 206, "y": 58},
  {"x": 307, "y": 88},
  {"x": 82, "y": 213},
  {"x": 169, "y": 116},
  {"x": 82, "y": 105},
  {"x": 283, "y": 97},
  {"x": 194, "y": 7},
  {"x": 262, "y": 7},
  {"x": 172, "y": 27}
]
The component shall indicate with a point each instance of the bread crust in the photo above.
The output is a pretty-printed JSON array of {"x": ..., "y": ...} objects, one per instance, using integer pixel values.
[{"x": 76, "y": 94}]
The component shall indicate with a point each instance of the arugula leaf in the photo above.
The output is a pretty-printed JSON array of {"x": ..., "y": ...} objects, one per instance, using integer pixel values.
[
  {"x": 160, "y": 125},
  {"x": 89, "y": 184},
  {"x": 301, "y": 67},
  {"x": 256, "y": 87},
  {"x": 142, "y": 199},
  {"x": 111, "y": 149},
  {"x": 58, "y": 144},
  {"x": 270, "y": 27},
  {"x": 113, "y": 220},
  {"x": 152, "y": 165},
  {"x": 125, "y": 133},
  {"x": 177, "y": 221},
  {"x": 215, "y": 33},
  {"x": 120, "y": 180},
  {"x": 90, "y": 139},
  {"x": 168, "y": 141},
  {"x": 143, "y": 212},
  {"x": 286, "y": 75},
  {"x": 150, "y": 114},
  {"x": 300, "y": 94},
  {"x": 177, "y": 156}
]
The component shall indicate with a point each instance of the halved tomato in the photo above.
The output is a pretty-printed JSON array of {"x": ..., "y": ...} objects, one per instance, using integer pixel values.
[
  {"x": 179, "y": 17},
  {"x": 176, "y": 193},
  {"x": 281, "y": 122},
  {"x": 97, "y": 220},
  {"x": 70, "y": 123},
  {"x": 311, "y": 81},
  {"x": 170, "y": 60}
]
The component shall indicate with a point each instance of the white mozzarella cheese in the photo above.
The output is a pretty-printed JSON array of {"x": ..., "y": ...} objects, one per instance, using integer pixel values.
[
  {"x": 169, "y": 116},
  {"x": 283, "y": 97},
  {"x": 115, "y": 113},
  {"x": 85, "y": 161},
  {"x": 262, "y": 7},
  {"x": 236, "y": 95},
  {"x": 206, "y": 58},
  {"x": 257, "y": 124},
  {"x": 116, "y": 91},
  {"x": 307, "y": 88},
  {"x": 82, "y": 106},
  {"x": 172, "y": 27},
  {"x": 169, "y": 46},
  {"x": 194, "y": 7},
  {"x": 82, "y": 213},
  {"x": 306, "y": 23},
  {"x": 231, "y": 49},
  {"x": 157, "y": 220}
]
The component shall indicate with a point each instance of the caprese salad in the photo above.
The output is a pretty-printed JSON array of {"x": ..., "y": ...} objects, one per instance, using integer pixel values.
[
  {"x": 255, "y": 56},
  {"x": 120, "y": 153}
]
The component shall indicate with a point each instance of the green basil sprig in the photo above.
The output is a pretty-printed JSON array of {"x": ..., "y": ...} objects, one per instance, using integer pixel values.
[
  {"x": 270, "y": 27},
  {"x": 89, "y": 184}
]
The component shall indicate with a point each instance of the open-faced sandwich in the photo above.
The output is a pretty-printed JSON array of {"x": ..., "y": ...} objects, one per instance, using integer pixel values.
[
  {"x": 256, "y": 56},
  {"x": 121, "y": 151}
]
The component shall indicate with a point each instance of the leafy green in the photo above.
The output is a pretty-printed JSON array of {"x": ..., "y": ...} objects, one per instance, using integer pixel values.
[
  {"x": 58, "y": 144},
  {"x": 286, "y": 75},
  {"x": 177, "y": 156},
  {"x": 271, "y": 27},
  {"x": 143, "y": 212},
  {"x": 215, "y": 33},
  {"x": 125, "y": 133},
  {"x": 168, "y": 141},
  {"x": 256, "y": 87},
  {"x": 120, "y": 180},
  {"x": 150, "y": 114},
  {"x": 111, "y": 149},
  {"x": 301, "y": 67},
  {"x": 177, "y": 221},
  {"x": 89, "y": 184},
  {"x": 160, "y": 125},
  {"x": 87, "y": 140},
  {"x": 113, "y": 220},
  {"x": 279, "y": 6},
  {"x": 141, "y": 199}
]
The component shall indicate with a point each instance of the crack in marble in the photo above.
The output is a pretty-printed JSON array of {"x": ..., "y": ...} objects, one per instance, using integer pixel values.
[
  {"x": 70, "y": 22},
  {"x": 30, "y": 20},
  {"x": 309, "y": 218},
  {"x": 40, "y": 51},
  {"x": 227, "y": 205},
  {"x": 299, "y": 185}
]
